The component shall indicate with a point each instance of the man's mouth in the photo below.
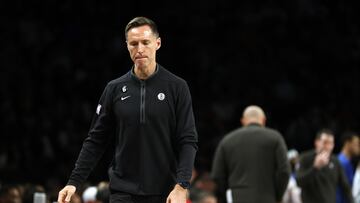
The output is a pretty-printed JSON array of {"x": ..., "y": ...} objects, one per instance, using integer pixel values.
[{"x": 140, "y": 57}]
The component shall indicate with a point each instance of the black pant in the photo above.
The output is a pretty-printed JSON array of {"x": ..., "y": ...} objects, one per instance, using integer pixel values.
[{"x": 122, "y": 197}]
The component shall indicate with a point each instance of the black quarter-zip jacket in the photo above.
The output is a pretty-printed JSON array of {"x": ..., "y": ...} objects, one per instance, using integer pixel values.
[{"x": 152, "y": 124}]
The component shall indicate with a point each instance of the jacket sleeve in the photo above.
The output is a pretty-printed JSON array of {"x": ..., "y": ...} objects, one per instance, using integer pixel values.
[
  {"x": 306, "y": 174},
  {"x": 186, "y": 135},
  {"x": 101, "y": 130},
  {"x": 282, "y": 174},
  {"x": 344, "y": 183}
]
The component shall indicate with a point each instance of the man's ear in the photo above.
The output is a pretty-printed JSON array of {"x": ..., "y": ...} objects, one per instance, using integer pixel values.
[
  {"x": 242, "y": 121},
  {"x": 158, "y": 43},
  {"x": 264, "y": 121},
  {"x": 315, "y": 142}
]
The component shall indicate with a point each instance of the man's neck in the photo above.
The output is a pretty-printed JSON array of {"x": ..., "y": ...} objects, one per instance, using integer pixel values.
[
  {"x": 346, "y": 153},
  {"x": 145, "y": 72}
]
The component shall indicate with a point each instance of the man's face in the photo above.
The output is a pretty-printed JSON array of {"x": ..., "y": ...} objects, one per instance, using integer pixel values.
[
  {"x": 355, "y": 146},
  {"x": 13, "y": 196},
  {"x": 325, "y": 143},
  {"x": 142, "y": 45}
]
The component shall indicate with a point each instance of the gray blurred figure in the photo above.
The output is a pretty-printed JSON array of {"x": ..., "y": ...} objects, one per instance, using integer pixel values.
[{"x": 252, "y": 162}]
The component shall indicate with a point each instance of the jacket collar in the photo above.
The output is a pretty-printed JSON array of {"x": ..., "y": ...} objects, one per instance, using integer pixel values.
[
  {"x": 254, "y": 124},
  {"x": 156, "y": 72}
]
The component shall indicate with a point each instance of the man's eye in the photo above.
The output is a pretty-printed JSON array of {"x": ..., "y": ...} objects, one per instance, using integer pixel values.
[{"x": 133, "y": 44}]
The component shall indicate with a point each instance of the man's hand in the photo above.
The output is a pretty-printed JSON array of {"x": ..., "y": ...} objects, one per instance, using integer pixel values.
[
  {"x": 321, "y": 159},
  {"x": 66, "y": 193},
  {"x": 177, "y": 195}
]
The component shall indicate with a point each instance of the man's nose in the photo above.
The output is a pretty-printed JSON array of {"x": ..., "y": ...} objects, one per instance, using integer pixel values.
[{"x": 141, "y": 48}]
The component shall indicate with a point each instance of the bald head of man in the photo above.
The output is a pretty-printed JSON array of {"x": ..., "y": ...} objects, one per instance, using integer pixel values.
[{"x": 253, "y": 114}]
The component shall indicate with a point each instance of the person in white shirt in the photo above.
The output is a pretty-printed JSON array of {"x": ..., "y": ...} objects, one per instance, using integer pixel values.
[{"x": 356, "y": 185}]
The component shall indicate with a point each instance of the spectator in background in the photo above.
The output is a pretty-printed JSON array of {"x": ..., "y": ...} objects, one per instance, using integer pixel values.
[
  {"x": 103, "y": 192},
  {"x": 204, "y": 197},
  {"x": 29, "y": 190},
  {"x": 202, "y": 184},
  {"x": 319, "y": 172},
  {"x": 251, "y": 161},
  {"x": 89, "y": 194},
  {"x": 356, "y": 185},
  {"x": 10, "y": 194},
  {"x": 349, "y": 150},
  {"x": 293, "y": 191}
]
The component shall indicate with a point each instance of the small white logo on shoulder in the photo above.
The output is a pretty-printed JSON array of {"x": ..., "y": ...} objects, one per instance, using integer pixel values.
[
  {"x": 98, "y": 108},
  {"x": 123, "y": 98},
  {"x": 124, "y": 88},
  {"x": 161, "y": 96}
]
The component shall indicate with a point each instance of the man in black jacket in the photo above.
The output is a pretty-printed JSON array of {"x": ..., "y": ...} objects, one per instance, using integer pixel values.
[
  {"x": 319, "y": 172},
  {"x": 252, "y": 162},
  {"x": 148, "y": 114}
]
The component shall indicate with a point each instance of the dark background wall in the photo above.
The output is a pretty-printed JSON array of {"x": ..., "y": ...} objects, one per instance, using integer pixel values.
[{"x": 299, "y": 60}]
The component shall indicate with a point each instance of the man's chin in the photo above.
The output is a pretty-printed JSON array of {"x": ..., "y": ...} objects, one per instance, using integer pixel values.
[{"x": 140, "y": 65}]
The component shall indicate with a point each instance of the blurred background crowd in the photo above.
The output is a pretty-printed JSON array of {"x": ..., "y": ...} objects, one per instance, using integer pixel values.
[{"x": 298, "y": 59}]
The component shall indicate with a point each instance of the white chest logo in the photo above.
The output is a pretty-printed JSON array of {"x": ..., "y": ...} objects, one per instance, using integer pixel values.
[
  {"x": 123, "y": 98},
  {"x": 98, "y": 108},
  {"x": 161, "y": 96},
  {"x": 124, "y": 88}
]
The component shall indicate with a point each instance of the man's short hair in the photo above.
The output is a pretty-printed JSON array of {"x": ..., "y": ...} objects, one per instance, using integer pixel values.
[
  {"x": 347, "y": 136},
  {"x": 324, "y": 131},
  {"x": 140, "y": 21}
]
